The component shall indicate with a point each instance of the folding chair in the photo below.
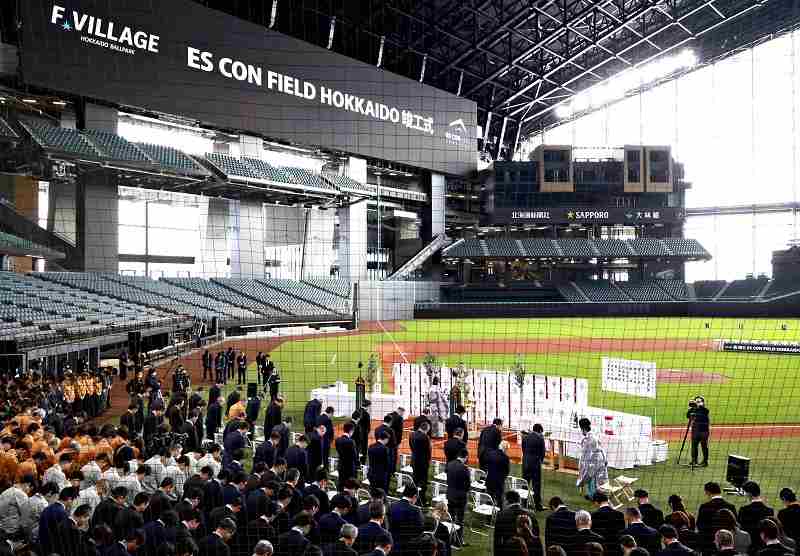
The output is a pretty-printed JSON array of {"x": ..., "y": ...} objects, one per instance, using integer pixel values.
[
  {"x": 364, "y": 474},
  {"x": 403, "y": 479},
  {"x": 333, "y": 473},
  {"x": 362, "y": 495},
  {"x": 440, "y": 471},
  {"x": 612, "y": 491},
  {"x": 439, "y": 492},
  {"x": 625, "y": 483},
  {"x": 405, "y": 463},
  {"x": 483, "y": 506},
  {"x": 521, "y": 487},
  {"x": 478, "y": 479}
]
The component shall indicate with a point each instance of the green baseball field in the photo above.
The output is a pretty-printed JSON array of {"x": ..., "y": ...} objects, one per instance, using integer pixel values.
[{"x": 754, "y": 399}]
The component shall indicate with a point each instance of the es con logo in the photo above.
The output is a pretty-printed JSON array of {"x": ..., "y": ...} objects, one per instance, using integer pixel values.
[
  {"x": 456, "y": 132},
  {"x": 104, "y": 33}
]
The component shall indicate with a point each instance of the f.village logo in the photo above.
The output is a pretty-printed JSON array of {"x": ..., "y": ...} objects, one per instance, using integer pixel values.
[
  {"x": 456, "y": 132},
  {"x": 105, "y": 34}
]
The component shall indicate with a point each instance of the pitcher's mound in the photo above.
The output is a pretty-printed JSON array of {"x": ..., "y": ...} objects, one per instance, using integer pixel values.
[{"x": 679, "y": 376}]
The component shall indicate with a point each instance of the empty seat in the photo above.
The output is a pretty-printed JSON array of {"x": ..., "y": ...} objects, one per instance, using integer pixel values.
[
  {"x": 602, "y": 291},
  {"x": 171, "y": 158},
  {"x": 232, "y": 166},
  {"x": 115, "y": 147}
]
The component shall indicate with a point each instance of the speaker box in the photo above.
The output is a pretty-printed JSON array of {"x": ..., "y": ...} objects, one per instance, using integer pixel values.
[
  {"x": 738, "y": 470},
  {"x": 134, "y": 342},
  {"x": 252, "y": 389}
]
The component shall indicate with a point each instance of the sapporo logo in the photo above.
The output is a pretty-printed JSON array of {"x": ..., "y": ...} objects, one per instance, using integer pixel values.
[
  {"x": 104, "y": 33},
  {"x": 456, "y": 132}
]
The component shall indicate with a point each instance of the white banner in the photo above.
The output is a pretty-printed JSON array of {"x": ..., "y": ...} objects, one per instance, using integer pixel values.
[{"x": 628, "y": 376}]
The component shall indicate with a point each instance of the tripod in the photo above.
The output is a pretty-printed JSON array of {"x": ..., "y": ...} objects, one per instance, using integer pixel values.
[{"x": 689, "y": 424}]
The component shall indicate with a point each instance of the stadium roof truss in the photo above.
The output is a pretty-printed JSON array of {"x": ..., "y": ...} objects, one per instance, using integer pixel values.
[{"x": 518, "y": 59}]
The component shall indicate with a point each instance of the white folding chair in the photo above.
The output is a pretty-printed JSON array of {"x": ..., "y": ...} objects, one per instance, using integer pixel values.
[
  {"x": 613, "y": 491},
  {"x": 439, "y": 493},
  {"x": 483, "y": 507},
  {"x": 625, "y": 483},
  {"x": 403, "y": 479},
  {"x": 478, "y": 479},
  {"x": 364, "y": 474},
  {"x": 333, "y": 473},
  {"x": 405, "y": 463},
  {"x": 362, "y": 495},
  {"x": 295, "y": 436},
  {"x": 439, "y": 471},
  {"x": 521, "y": 487}
]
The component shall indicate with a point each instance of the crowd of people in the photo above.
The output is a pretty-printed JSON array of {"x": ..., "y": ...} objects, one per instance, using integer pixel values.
[{"x": 171, "y": 480}]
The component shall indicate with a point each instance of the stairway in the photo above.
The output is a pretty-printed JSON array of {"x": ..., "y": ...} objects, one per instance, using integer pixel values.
[{"x": 420, "y": 257}]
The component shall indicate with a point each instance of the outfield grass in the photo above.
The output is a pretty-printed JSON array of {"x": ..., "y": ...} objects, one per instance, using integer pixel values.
[{"x": 754, "y": 388}]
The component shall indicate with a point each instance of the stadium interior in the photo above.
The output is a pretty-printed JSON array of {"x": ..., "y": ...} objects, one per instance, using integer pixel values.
[{"x": 512, "y": 219}]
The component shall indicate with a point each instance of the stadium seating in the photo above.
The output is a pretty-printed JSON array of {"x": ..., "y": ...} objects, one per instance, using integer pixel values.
[
  {"x": 300, "y": 298},
  {"x": 336, "y": 287},
  {"x": 539, "y": 247},
  {"x": 10, "y": 241},
  {"x": 348, "y": 184},
  {"x": 578, "y": 248},
  {"x": 615, "y": 248},
  {"x": 504, "y": 248},
  {"x": 232, "y": 166},
  {"x": 602, "y": 291},
  {"x": 571, "y": 293},
  {"x": 6, "y": 132},
  {"x": 266, "y": 170},
  {"x": 744, "y": 289},
  {"x": 681, "y": 247},
  {"x": 60, "y": 139},
  {"x": 115, "y": 147},
  {"x": 170, "y": 158},
  {"x": 644, "y": 291},
  {"x": 465, "y": 248},
  {"x": 226, "y": 292},
  {"x": 306, "y": 178},
  {"x": 675, "y": 288},
  {"x": 648, "y": 247},
  {"x": 783, "y": 287},
  {"x": 708, "y": 289}
]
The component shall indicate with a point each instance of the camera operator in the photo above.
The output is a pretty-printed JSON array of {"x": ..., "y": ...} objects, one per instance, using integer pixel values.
[{"x": 701, "y": 427}]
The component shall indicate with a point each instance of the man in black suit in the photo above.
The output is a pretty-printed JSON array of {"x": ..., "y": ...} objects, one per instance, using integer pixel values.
[
  {"x": 789, "y": 516},
  {"x": 405, "y": 520},
  {"x": 768, "y": 530},
  {"x": 608, "y": 523},
  {"x": 316, "y": 448},
  {"x": 424, "y": 418},
  {"x": 459, "y": 483},
  {"x": 698, "y": 416},
  {"x": 457, "y": 421},
  {"x": 241, "y": 368},
  {"x": 311, "y": 414},
  {"x": 347, "y": 466},
  {"x": 707, "y": 519},
  {"x": 107, "y": 510},
  {"x": 284, "y": 428},
  {"x": 330, "y": 524},
  {"x": 192, "y": 442},
  {"x": 319, "y": 488},
  {"x": 489, "y": 439},
  {"x": 398, "y": 415},
  {"x": 499, "y": 467},
  {"x": 369, "y": 531},
  {"x": 343, "y": 546},
  {"x": 673, "y": 546},
  {"x": 386, "y": 428},
  {"x": 651, "y": 516},
  {"x": 297, "y": 457},
  {"x": 215, "y": 392},
  {"x": 384, "y": 545},
  {"x": 215, "y": 544},
  {"x": 379, "y": 464},
  {"x": 559, "y": 527},
  {"x": 585, "y": 535},
  {"x": 266, "y": 450},
  {"x": 273, "y": 414},
  {"x": 130, "y": 420},
  {"x": 646, "y": 537},
  {"x": 327, "y": 419},
  {"x": 505, "y": 525},
  {"x": 532, "y": 458},
  {"x": 295, "y": 541},
  {"x": 362, "y": 419},
  {"x": 421, "y": 452},
  {"x": 454, "y": 445},
  {"x": 72, "y": 540},
  {"x": 750, "y": 515},
  {"x": 213, "y": 417}
]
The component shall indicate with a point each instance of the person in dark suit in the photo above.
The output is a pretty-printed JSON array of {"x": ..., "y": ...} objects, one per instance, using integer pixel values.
[
  {"x": 386, "y": 428},
  {"x": 327, "y": 419},
  {"x": 363, "y": 421},
  {"x": 698, "y": 415},
  {"x": 457, "y": 421},
  {"x": 454, "y": 445},
  {"x": 672, "y": 545},
  {"x": 396, "y": 424},
  {"x": 608, "y": 523},
  {"x": 384, "y": 545},
  {"x": 789, "y": 515},
  {"x": 297, "y": 457},
  {"x": 129, "y": 520},
  {"x": 343, "y": 546},
  {"x": 266, "y": 450},
  {"x": 405, "y": 520},
  {"x": 769, "y": 532},
  {"x": 295, "y": 541},
  {"x": 724, "y": 542},
  {"x": 498, "y": 468},
  {"x": 559, "y": 527},
  {"x": 370, "y": 530},
  {"x": 330, "y": 524},
  {"x": 533, "y": 450},
  {"x": 489, "y": 439},
  {"x": 107, "y": 510},
  {"x": 130, "y": 420},
  {"x": 216, "y": 544},
  {"x": 311, "y": 414},
  {"x": 424, "y": 418},
  {"x": 421, "y": 452},
  {"x": 316, "y": 448},
  {"x": 505, "y": 525},
  {"x": 750, "y": 515},
  {"x": 72, "y": 540},
  {"x": 319, "y": 488},
  {"x": 241, "y": 367},
  {"x": 236, "y": 440},
  {"x": 213, "y": 417},
  {"x": 459, "y": 483},
  {"x": 651, "y": 516},
  {"x": 646, "y": 537},
  {"x": 584, "y": 535},
  {"x": 707, "y": 522},
  {"x": 273, "y": 415},
  {"x": 347, "y": 466},
  {"x": 379, "y": 464},
  {"x": 192, "y": 442},
  {"x": 52, "y": 516},
  {"x": 284, "y": 428}
]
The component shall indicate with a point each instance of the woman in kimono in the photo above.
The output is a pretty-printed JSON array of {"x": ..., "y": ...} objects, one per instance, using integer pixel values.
[
  {"x": 593, "y": 469},
  {"x": 437, "y": 402}
]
